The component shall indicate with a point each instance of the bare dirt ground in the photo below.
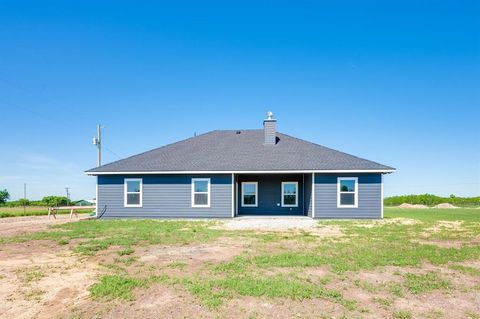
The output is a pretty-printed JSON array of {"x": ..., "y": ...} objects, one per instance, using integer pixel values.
[
  {"x": 42, "y": 279},
  {"x": 16, "y": 225}
]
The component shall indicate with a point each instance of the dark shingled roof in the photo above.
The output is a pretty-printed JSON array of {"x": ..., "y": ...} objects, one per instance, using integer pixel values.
[{"x": 245, "y": 151}]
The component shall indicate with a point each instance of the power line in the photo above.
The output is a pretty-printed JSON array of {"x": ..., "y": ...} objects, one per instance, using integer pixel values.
[{"x": 112, "y": 152}]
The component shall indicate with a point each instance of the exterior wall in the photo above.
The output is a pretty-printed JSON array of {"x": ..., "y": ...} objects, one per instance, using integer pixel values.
[
  {"x": 270, "y": 194},
  {"x": 164, "y": 196},
  {"x": 307, "y": 178},
  {"x": 369, "y": 196}
]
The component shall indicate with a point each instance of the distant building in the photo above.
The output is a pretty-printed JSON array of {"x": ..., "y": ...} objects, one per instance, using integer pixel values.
[{"x": 84, "y": 202}]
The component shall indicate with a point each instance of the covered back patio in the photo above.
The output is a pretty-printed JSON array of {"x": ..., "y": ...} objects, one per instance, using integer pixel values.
[{"x": 273, "y": 194}]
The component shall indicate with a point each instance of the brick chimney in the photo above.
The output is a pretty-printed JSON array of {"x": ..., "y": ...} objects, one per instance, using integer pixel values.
[{"x": 270, "y": 130}]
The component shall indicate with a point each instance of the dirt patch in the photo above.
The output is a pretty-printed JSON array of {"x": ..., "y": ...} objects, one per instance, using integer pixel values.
[
  {"x": 223, "y": 249},
  {"x": 456, "y": 305},
  {"x": 412, "y": 206},
  {"x": 11, "y": 226},
  {"x": 445, "y": 243},
  {"x": 327, "y": 231},
  {"x": 445, "y": 205},
  {"x": 444, "y": 225},
  {"x": 320, "y": 272},
  {"x": 42, "y": 280},
  {"x": 389, "y": 221},
  {"x": 156, "y": 302},
  {"x": 380, "y": 276}
]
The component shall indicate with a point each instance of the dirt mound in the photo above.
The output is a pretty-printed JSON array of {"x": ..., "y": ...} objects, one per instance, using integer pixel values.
[
  {"x": 445, "y": 205},
  {"x": 406, "y": 205}
]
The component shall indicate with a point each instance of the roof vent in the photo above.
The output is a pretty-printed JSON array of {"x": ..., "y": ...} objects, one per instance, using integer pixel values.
[{"x": 270, "y": 130}]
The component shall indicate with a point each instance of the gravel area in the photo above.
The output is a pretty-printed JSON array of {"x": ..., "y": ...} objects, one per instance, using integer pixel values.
[{"x": 270, "y": 223}]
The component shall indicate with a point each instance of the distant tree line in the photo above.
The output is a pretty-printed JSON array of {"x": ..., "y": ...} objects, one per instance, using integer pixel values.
[
  {"x": 432, "y": 200},
  {"x": 50, "y": 201}
]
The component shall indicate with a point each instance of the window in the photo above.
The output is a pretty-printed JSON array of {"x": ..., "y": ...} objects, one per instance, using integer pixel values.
[
  {"x": 289, "y": 194},
  {"x": 133, "y": 192},
  {"x": 347, "y": 192},
  {"x": 249, "y": 194},
  {"x": 200, "y": 192}
]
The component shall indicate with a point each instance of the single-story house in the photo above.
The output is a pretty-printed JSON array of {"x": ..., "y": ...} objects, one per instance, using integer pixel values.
[{"x": 232, "y": 173}]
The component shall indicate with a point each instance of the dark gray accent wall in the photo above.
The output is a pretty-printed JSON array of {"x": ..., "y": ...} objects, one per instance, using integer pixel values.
[
  {"x": 308, "y": 194},
  {"x": 369, "y": 196},
  {"x": 269, "y": 194},
  {"x": 164, "y": 196}
]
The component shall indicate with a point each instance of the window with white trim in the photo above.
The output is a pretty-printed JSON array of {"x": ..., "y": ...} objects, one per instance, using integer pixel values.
[
  {"x": 289, "y": 194},
  {"x": 133, "y": 192},
  {"x": 200, "y": 192},
  {"x": 249, "y": 194},
  {"x": 347, "y": 192}
]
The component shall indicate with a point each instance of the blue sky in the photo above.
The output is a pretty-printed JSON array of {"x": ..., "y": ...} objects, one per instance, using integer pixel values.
[{"x": 394, "y": 82}]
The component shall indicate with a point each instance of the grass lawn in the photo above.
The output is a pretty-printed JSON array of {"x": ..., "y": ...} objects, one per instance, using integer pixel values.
[
  {"x": 412, "y": 264},
  {"x": 32, "y": 211}
]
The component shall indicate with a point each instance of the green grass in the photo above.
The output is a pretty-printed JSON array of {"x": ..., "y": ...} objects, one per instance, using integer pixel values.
[
  {"x": 126, "y": 251},
  {"x": 116, "y": 287},
  {"x": 120, "y": 287},
  {"x": 430, "y": 281},
  {"x": 466, "y": 270},
  {"x": 384, "y": 302},
  {"x": 33, "y": 211},
  {"x": 255, "y": 272},
  {"x": 98, "y": 235},
  {"x": 178, "y": 265},
  {"x": 402, "y": 314},
  {"x": 433, "y": 215},
  {"x": 127, "y": 261},
  {"x": 213, "y": 290}
]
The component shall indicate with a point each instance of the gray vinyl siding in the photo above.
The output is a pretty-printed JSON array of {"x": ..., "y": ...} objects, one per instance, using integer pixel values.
[
  {"x": 369, "y": 197},
  {"x": 270, "y": 194},
  {"x": 164, "y": 196}
]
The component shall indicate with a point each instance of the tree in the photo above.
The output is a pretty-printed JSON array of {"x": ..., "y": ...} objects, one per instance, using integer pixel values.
[
  {"x": 23, "y": 202},
  {"x": 54, "y": 201},
  {"x": 4, "y": 196}
]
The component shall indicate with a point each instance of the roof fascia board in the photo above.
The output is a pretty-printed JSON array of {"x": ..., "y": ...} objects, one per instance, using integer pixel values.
[{"x": 385, "y": 171}]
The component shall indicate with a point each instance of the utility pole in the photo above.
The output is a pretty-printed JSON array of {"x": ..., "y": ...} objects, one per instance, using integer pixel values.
[
  {"x": 97, "y": 140},
  {"x": 68, "y": 194}
]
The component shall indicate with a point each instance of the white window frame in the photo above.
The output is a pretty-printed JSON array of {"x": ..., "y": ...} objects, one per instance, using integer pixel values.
[
  {"x": 355, "y": 198},
  {"x": 283, "y": 194},
  {"x": 126, "y": 192},
  {"x": 256, "y": 194},
  {"x": 208, "y": 192}
]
